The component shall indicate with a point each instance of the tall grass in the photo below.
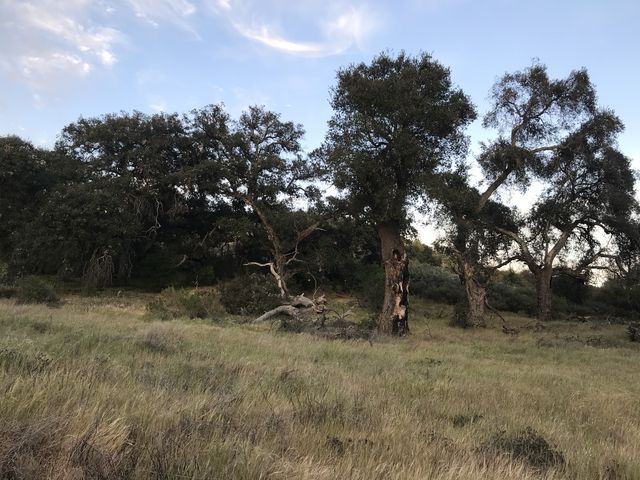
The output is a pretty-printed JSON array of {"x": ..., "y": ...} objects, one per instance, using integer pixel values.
[{"x": 100, "y": 390}]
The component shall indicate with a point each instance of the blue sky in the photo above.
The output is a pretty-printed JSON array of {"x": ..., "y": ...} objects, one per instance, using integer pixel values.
[{"x": 62, "y": 59}]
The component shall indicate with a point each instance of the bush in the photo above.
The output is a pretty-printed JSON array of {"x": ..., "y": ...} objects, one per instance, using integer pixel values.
[
  {"x": 369, "y": 285},
  {"x": 517, "y": 298},
  {"x": 4, "y": 272},
  {"x": 527, "y": 445},
  {"x": 172, "y": 303},
  {"x": 31, "y": 289},
  {"x": 249, "y": 294},
  {"x": 435, "y": 283},
  {"x": 459, "y": 316},
  {"x": 6, "y": 291},
  {"x": 633, "y": 332}
]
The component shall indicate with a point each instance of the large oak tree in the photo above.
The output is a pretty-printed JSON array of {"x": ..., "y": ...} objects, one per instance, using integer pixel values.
[{"x": 396, "y": 122}]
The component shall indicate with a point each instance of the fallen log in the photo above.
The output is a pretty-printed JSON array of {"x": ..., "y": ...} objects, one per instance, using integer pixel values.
[{"x": 297, "y": 307}]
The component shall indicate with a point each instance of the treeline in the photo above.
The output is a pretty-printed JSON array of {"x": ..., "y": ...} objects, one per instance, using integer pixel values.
[{"x": 168, "y": 199}]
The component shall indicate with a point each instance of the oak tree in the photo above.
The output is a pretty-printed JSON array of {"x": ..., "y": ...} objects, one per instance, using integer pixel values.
[{"x": 396, "y": 122}]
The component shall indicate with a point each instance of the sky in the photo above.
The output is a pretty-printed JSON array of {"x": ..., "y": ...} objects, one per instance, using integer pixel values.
[{"x": 63, "y": 59}]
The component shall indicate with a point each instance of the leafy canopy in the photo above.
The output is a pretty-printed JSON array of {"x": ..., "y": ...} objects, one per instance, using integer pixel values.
[{"x": 396, "y": 121}]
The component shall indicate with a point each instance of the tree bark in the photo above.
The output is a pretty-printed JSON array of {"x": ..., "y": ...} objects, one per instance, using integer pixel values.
[
  {"x": 543, "y": 292},
  {"x": 476, "y": 294},
  {"x": 394, "y": 318}
]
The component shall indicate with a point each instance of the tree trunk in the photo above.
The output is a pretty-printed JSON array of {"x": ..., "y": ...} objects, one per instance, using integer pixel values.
[
  {"x": 543, "y": 291},
  {"x": 476, "y": 294},
  {"x": 394, "y": 319}
]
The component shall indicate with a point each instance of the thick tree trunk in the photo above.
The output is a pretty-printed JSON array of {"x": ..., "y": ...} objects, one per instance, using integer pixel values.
[
  {"x": 476, "y": 294},
  {"x": 543, "y": 293},
  {"x": 394, "y": 318}
]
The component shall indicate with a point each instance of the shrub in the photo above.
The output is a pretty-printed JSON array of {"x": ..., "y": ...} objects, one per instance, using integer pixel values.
[
  {"x": 4, "y": 272},
  {"x": 514, "y": 297},
  {"x": 526, "y": 445},
  {"x": 172, "y": 303},
  {"x": 249, "y": 295},
  {"x": 369, "y": 285},
  {"x": 459, "y": 316},
  {"x": 31, "y": 289},
  {"x": 633, "y": 332},
  {"x": 435, "y": 283},
  {"x": 6, "y": 291}
]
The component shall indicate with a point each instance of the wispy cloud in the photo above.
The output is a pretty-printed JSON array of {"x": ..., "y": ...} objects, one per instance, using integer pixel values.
[
  {"x": 339, "y": 26},
  {"x": 157, "y": 12},
  {"x": 47, "y": 41}
]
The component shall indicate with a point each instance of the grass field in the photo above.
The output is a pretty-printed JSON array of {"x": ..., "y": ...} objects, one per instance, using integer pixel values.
[{"x": 97, "y": 388}]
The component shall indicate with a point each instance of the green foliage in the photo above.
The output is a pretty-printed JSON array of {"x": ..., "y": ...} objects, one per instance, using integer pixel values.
[
  {"x": 24, "y": 178},
  {"x": 174, "y": 303},
  {"x": 459, "y": 317},
  {"x": 435, "y": 283},
  {"x": 396, "y": 120},
  {"x": 618, "y": 297},
  {"x": 512, "y": 297},
  {"x": 7, "y": 291},
  {"x": 32, "y": 289},
  {"x": 251, "y": 294},
  {"x": 369, "y": 285}
]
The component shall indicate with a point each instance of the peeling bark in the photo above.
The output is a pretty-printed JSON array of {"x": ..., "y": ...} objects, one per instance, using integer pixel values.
[
  {"x": 476, "y": 294},
  {"x": 394, "y": 318}
]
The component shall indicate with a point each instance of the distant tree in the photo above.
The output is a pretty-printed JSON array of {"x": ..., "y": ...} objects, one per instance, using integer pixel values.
[
  {"x": 396, "y": 122},
  {"x": 28, "y": 175},
  {"x": 261, "y": 166},
  {"x": 24, "y": 179},
  {"x": 146, "y": 164},
  {"x": 588, "y": 196},
  {"x": 470, "y": 219},
  {"x": 547, "y": 127}
]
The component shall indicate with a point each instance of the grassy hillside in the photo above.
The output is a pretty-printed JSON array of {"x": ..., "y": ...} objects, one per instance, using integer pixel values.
[{"x": 98, "y": 388}]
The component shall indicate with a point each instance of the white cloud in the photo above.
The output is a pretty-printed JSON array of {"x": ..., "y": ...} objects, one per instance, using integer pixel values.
[
  {"x": 158, "y": 107},
  {"x": 224, "y": 4},
  {"x": 47, "y": 42},
  {"x": 156, "y": 12},
  {"x": 34, "y": 67},
  {"x": 339, "y": 26},
  {"x": 264, "y": 35}
]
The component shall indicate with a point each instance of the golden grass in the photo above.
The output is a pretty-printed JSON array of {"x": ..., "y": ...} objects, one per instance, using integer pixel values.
[{"x": 97, "y": 389}]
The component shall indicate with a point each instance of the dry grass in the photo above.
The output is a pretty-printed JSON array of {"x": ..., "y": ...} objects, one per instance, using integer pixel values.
[{"x": 97, "y": 389}]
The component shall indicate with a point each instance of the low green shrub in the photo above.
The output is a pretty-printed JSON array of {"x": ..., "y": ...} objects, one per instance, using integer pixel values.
[
  {"x": 459, "y": 316},
  {"x": 435, "y": 283},
  {"x": 369, "y": 285},
  {"x": 7, "y": 291},
  {"x": 512, "y": 297},
  {"x": 251, "y": 294},
  {"x": 31, "y": 289},
  {"x": 174, "y": 303}
]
